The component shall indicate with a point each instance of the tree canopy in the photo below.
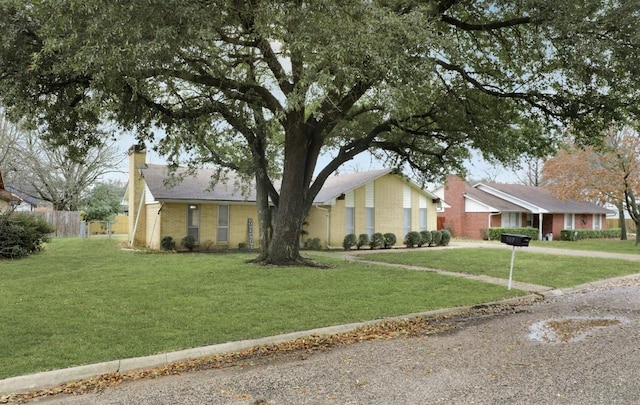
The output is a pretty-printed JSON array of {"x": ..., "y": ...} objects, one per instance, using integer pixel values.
[{"x": 418, "y": 83}]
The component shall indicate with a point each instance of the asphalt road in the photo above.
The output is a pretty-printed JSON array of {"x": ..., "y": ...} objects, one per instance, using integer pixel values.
[{"x": 581, "y": 347}]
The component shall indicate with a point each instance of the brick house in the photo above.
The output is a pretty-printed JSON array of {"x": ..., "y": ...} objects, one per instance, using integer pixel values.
[
  {"x": 470, "y": 210},
  {"x": 224, "y": 214}
]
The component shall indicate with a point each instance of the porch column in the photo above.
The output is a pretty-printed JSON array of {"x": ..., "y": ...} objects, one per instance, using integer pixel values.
[{"x": 540, "y": 217}]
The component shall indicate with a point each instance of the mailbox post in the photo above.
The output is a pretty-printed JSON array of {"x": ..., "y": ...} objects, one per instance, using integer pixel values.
[{"x": 514, "y": 240}]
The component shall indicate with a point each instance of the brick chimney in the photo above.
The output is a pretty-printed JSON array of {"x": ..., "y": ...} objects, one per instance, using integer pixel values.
[
  {"x": 454, "y": 191},
  {"x": 136, "y": 187}
]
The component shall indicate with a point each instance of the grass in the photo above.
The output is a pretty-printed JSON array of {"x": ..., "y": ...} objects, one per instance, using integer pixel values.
[
  {"x": 544, "y": 269},
  {"x": 85, "y": 301},
  {"x": 604, "y": 245}
]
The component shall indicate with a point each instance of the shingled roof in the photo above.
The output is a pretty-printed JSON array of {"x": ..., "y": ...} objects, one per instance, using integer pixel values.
[
  {"x": 197, "y": 187},
  {"x": 537, "y": 199}
]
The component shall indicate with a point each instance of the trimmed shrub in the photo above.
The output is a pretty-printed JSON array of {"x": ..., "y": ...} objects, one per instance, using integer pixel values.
[
  {"x": 349, "y": 241},
  {"x": 22, "y": 235},
  {"x": 412, "y": 239},
  {"x": 389, "y": 240},
  {"x": 446, "y": 237},
  {"x": 167, "y": 243},
  {"x": 425, "y": 238},
  {"x": 363, "y": 240},
  {"x": 377, "y": 241},
  {"x": 577, "y": 234},
  {"x": 315, "y": 244},
  {"x": 188, "y": 242},
  {"x": 494, "y": 233},
  {"x": 436, "y": 238}
]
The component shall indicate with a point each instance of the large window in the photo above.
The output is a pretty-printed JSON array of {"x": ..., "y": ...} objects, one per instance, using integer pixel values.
[
  {"x": 370, "y": 220},
  {"x": 422, "y": 213},
  {"x": 350, "y": 221},
  {"x": 597, "y": 221},
  {"x": 568, "y": 221},
  {"x": 406, "y": 220},
  {"x": 510, "y": 220},
  {"x": 223, "y": 224},
  {"x": 193, "y": 221}
]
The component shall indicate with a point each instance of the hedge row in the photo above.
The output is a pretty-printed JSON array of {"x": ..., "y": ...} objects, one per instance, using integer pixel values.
[
  {"x": 494, "y": 233},
  {"x": 388, "y": 240},
  {"x": 577, "y": 234},
  {"x": 22, "y": 235}
]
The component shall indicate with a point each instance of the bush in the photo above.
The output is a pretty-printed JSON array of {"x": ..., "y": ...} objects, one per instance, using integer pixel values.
[
  {"x": 446, "y": 237},
  {"x": 189, "y": 242},
  {"x": 349, "y": 241},
  {"x": 315, "y": 244},
  {"x": 436, "y": 238},
  {"x": 167, "y": 243},
  {"x": 22, "y": 235},
  {"x": 425, "y": 238},
  {"x": 412, "y": 239},
  {"x": 389, "y": 240},
  {"x": 577, "y": 234},
  {"x": 363, "y": 240},
  {"x": 377, "y": 241},
  {"x": 494, "y": 233}
]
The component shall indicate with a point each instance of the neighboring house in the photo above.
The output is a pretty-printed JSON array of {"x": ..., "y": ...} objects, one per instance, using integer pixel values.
[
  {"x": 224, "y": 215},
  {"x": 30, "y": 203},
  {"x": 8, "y": 200},
  {"x": 473, "y": 209}
]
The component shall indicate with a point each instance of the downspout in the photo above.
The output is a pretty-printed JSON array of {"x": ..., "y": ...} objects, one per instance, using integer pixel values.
[
  {"x": 328, "y": 216},
  {"x": 489, "y": 222},
  {"x": 135, "y": 225}
]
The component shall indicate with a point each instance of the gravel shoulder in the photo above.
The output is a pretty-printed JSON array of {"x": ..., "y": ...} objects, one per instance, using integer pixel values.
[{"x": 572, "y": 348}]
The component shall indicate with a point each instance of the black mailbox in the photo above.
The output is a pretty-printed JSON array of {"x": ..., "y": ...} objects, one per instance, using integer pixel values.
[{"x": 515, "y": 240}]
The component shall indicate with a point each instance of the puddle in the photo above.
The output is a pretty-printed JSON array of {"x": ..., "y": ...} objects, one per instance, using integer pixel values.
[{"x": 568, "y": 329}]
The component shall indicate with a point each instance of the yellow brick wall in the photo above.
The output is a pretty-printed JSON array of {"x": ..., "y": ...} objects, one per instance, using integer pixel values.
[
  {"x": 174, "y": 223},
  {"x": 388, "y": 212},
  {"x": 317, "y": 227}
]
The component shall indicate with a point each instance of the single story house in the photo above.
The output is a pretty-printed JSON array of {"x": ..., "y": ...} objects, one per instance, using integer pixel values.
[
  {"x": 471, "y": 210},
  {"x": 224, "y": 215}
]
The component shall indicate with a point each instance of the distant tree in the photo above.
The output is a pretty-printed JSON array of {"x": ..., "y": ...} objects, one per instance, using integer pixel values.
[
  {"x": 530, "y": 172},
  {"x": 609, "y": 173},
  {"x": 54, "y": 175},
  {"x": 103, "y": 201}
]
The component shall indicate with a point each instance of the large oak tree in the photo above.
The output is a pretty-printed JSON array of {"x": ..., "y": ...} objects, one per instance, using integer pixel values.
[{"x": 266, "y": 87}]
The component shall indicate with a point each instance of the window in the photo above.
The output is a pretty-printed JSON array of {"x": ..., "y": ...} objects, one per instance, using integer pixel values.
[
  {"x": 406, "y": 220},
  {"x": 223, "y": 224},
  {"x": 370, "y": 219},
  {"x": 350, "y": 221},
  {"x": 510, "y": 220},
  {"x": 193, "y": 221},
  {"x": 597, "y": 221},
  {"x": 568, "y": 221},
  {"x": 529, "y": 219},
  {"x": 422, "y": 213}
]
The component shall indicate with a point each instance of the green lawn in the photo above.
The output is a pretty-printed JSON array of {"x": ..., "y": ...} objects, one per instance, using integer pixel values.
[
  {"x": 537, "y": 268},
  {"x": 604, "y": 245},
  {"x": 85, "y": 301}
]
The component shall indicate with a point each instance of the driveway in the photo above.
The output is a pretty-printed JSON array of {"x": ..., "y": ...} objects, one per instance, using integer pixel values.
[{"x": 573, "y": 347}]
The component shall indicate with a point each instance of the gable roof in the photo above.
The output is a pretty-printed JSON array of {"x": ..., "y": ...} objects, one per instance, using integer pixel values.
[
  {"x": 7, "y": 195},
  {"x": 335, "y": 186},
  {"x": 491, "y": 201},
  {"x": 198, "y": 187},
  {"x": 537, "y": 199}
]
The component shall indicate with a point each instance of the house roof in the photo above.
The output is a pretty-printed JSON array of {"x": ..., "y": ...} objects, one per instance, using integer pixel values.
[
  {"x": 493, "y": 202},
  {"x": 537, "y": 199},
  {"x": 5, "y": 194},
  {"x": 338, "y": 185},
  {"x": 198, "y": 187},
  {"x": 33, "y": 201}
]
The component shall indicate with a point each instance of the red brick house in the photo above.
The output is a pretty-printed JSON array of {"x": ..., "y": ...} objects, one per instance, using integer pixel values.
[{"x": 470, "y": 210}]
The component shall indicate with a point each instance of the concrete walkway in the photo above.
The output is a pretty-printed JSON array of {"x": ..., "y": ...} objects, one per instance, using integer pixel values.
[{"x": 54, "y": 378}]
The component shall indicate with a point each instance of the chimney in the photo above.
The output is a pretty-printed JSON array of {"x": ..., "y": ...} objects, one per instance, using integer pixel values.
[{"x": 136, "y": 187}]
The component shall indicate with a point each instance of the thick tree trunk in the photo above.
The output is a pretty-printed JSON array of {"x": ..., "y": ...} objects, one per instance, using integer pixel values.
[
  {"x": 299, "y": 162},
  {"x": 637, "y": 233}
]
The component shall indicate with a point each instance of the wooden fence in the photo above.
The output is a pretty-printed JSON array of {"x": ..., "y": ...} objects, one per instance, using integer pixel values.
[
  {"x": 66, "y": 223},
  {"x": 615, "y": 223}
]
